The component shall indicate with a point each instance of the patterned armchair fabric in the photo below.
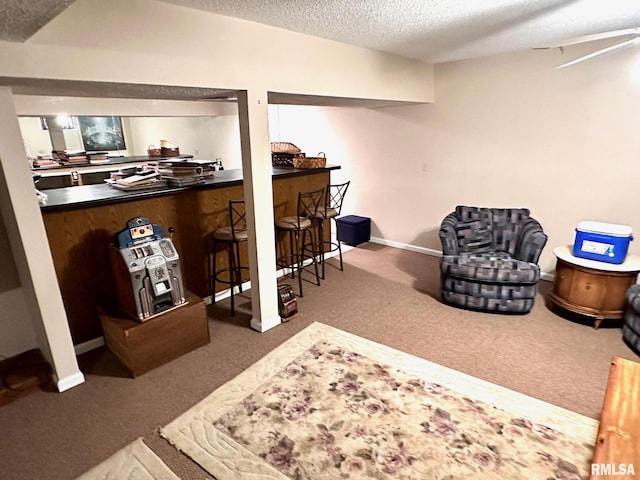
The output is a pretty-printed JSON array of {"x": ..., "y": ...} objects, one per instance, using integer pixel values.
[
  {"x": 631, "y": 327},
  {"x": 490, "y": 258}
]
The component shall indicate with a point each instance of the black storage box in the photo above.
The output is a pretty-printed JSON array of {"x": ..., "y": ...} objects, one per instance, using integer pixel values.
[{"x": 354, "y": 230}]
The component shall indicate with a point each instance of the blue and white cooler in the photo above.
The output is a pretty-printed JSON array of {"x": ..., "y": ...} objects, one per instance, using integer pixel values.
[{"x": 603, "y": 242}]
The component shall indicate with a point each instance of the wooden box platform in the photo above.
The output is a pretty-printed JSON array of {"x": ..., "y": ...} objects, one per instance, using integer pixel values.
[{"x": 143, "y": 346}]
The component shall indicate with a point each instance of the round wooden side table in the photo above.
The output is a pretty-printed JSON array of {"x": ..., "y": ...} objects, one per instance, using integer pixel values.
[{"x": 591, "y": 288}]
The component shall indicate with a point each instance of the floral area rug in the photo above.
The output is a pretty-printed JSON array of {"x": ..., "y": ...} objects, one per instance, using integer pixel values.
[
  {"x": 329, "y": 405},
  {"x": 136, "y": 461}
]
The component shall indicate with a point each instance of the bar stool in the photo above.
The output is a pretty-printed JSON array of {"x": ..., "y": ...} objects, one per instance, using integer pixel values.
[
  {"x": 229, "y": 238},
  {"x": 307, "y": 208},
  {"x": 330, "y": 210}
]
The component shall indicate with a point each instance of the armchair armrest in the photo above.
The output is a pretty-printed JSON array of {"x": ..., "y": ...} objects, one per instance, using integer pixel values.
[
  {"x": 448, "y": 236},
  {"x": 532, "y": 241}
]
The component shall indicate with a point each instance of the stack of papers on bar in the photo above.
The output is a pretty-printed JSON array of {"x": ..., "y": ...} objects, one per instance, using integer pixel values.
[
  {"x": 181, "y": 173},
  {"x": 183, "y": 181},
  {"x": 139, "y": 181}
]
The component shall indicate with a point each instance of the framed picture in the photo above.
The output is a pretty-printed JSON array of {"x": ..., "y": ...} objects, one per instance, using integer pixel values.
[{"x": 101, "y": 133}]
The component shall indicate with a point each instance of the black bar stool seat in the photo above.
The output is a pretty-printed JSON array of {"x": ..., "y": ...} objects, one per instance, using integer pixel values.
[
  {"x": 229, "y": 238},
  {"x": 330, "y": 210},
  {"x": 298, "y": 227}
]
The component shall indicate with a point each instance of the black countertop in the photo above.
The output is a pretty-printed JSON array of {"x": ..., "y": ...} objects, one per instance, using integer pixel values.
[{"x": 70, "y": 198}]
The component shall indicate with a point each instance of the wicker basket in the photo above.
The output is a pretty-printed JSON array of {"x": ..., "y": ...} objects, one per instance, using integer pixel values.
[
  {"x": 311, "y": 162},
  {"x": 284, "y": 159},
  {"x": 152, "y": 151},
  {"x": 284, "y": 147},
  {"x": 169, "y": 151}
]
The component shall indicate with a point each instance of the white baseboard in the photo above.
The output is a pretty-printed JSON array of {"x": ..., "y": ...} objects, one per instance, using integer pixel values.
[
  {"x": 265, "y": 324},
  {"x": 549, "y": 277},
  {"x": 434, "y": 253},
  {"x": 406, "y": 246},
  {"x": 89, "y": 345},
  {"x": 69, "y": 382}
]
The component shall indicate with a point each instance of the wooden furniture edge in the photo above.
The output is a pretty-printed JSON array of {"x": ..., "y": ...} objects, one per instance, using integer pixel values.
[{"x": 618, "y": 439}]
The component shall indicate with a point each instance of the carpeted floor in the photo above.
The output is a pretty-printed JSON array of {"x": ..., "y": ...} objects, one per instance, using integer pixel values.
[{"x": 385, "y": 294}]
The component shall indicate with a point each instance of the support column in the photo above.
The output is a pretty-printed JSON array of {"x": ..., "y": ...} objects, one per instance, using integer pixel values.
[
  {"x": 258, "y": 195},
  {"x": 28, "y": 239}
]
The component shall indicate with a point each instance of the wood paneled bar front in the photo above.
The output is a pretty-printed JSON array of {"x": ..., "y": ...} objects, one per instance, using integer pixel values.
[{"x": 81, "y": 221}]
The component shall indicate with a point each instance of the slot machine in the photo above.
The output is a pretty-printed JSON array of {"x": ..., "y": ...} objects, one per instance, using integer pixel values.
[
  {"x": 287, "y": 303},
  {"x": 146, "y": 268}
]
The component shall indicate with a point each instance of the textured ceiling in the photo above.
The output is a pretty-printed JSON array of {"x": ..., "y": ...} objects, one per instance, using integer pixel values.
[
  {"x": 430, "y": 30},
  {"x": 19, "y": 19},
  {"x": 436, "y": 30},
  {"x": 72, "y": 88}
]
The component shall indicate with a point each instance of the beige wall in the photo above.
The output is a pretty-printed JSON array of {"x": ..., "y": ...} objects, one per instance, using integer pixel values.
[
  {"x": 508, "y": 130},
  {"x": 207, "y": 130},
  {"x": 146, "y": 41},
  {"x": 14, "y": 315}
]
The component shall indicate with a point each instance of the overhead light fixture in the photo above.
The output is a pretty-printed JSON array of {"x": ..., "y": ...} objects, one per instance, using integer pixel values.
[{"x": 65, "y": 122}]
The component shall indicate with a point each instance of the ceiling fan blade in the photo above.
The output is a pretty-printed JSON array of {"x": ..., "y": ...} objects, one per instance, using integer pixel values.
[
  {"x": 591, "y": 38},
  {"x": 599, "y": 52}
]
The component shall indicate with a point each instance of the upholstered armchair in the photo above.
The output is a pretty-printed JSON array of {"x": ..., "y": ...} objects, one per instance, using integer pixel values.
[
  {"x": 490, "y": 259},
  {"x": 631, "y": 327}
]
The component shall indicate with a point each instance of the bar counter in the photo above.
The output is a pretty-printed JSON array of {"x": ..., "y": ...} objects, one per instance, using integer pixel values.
[
  {"x": 81, "y": 221},
  {"x": 68, "y": 198}
]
